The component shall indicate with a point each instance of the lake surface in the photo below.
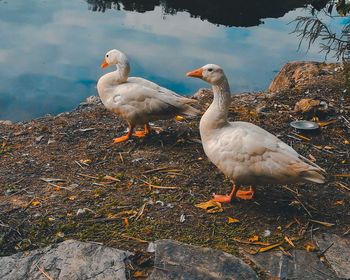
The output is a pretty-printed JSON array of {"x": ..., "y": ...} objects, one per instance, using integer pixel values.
[{"x": 50, "y": 51}]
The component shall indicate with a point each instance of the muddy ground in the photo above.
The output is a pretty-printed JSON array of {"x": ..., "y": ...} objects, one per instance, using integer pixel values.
[{"x": 53, "y": 185}]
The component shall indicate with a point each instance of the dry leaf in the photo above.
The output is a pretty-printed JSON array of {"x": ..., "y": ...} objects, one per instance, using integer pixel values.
[
  {"x": 328, "y": 147},
  {"x": 126, "y": 222},
  {"x": 72, "y": 197},
  {"x": 211, "y": 206},
  {"x": 346, "y": 142},
  {"x": 303, "y": 137},
  {"x": 231, "y": 220},
  {"x": 252, "y": 243},
  {"x": 140, "y": 274},
  {"x": 51, "y": 219},
  {"x": 36, "y": 203},
  {"x": 85, "y": 161},
  {"x": 339, "y": 202},
  {"x": 264, "y": 249},
  {"x": 253, "y": 238},
  {"x": 322, "y": 223},
  {"x": 289, "y": 241},
  {"x": 110, "y": 178},
  {"x": 60, "y": 234},
  {"x": 310, "y": 247},
  {"x": 179, "y": 118}
]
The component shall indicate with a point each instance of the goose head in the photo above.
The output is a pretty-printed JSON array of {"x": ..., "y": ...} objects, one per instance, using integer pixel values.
[
  {"x": 211, "y": 73},
  {"x": 113, "y": 57}
]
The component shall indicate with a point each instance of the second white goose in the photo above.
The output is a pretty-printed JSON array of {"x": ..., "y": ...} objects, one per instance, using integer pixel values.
[
  {"x": 138, "y": 100},
  {"x": 244, "y": 152}
]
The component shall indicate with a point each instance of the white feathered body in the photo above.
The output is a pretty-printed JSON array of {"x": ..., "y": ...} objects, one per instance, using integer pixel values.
[
  {"x": 138, "y": 100},
  {"x": 248, "y": 154}
]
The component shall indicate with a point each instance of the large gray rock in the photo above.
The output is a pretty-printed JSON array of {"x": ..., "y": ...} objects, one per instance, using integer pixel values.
[
  {"x": 337, "y": 254},
  {"x": 302, "y": 265},
  {"x": 175, "y": 260},
  {"x": 73, "y": 260}
]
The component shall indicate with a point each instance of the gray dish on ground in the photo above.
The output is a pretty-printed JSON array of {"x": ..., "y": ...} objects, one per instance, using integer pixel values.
[{"x": 304, "y": 125}]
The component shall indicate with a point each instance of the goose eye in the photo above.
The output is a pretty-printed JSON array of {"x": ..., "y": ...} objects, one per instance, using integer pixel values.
[
  {"x": 107, "y": 55},
  {"x": 210, "y": 70}
]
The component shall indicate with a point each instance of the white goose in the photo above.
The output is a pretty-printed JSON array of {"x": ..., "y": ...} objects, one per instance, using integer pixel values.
[
  {"x": 137, "y": 100},
  {"x": 244, "y": 152}
]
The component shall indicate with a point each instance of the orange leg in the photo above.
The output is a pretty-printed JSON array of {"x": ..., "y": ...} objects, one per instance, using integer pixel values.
[
  {"x": 147, "y": 130},
  {"x": 246, "y": 195},
  {"x": 124, "y": 137}
]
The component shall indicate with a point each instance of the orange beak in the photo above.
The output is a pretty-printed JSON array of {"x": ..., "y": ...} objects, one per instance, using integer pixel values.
[
  {"x": 198, "y": 73},
  {"x": 104, "y": 64}
]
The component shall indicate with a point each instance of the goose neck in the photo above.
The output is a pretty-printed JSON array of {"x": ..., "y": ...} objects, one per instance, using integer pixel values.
[
  {"x": 216, "y": 115},
  {"x": 123, "y": 70}
]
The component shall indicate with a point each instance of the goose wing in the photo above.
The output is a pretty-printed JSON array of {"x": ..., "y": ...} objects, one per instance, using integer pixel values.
[{"x": 253, "y": 155}]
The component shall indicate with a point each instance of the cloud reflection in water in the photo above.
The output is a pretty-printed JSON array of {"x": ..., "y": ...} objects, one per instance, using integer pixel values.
[{"x": 50, "y": 52}]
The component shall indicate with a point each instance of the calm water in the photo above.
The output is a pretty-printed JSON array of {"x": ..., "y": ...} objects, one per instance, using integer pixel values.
[{"x": 50, "y": 51}]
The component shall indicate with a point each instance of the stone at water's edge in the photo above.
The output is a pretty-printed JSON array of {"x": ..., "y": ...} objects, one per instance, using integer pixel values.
[
  {"x": 73, "y": 260},
  {"x": 5, "y": 122},
  {"x": 299, "y": 73},
  {"x": 178, "y": 261},
  {"x": 302, "y": 265},
  {"x": 337, "y": 254}
]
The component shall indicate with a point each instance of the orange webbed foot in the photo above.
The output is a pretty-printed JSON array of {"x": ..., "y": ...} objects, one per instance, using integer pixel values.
[
  {"x": 121, "y": 139},
  {"x": 140, "y": 134},
  {"x": 222, "y": 198},
  {"x": 245, "y": 195}
]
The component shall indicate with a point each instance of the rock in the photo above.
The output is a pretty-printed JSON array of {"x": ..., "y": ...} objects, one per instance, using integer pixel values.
[
  {"x": 93, "y": 99},
  {"x": 70, "y": 259},
  {"x": 302, "y": 265},
  {"x": 337, "y": 255},
  {"x": 5, "y": 122},
  {"x": 299, "y": 73},
  {"x": 203, "y": 93},
  {"x": 306, "y": 105},
  {"x": 175, "y": 260}
]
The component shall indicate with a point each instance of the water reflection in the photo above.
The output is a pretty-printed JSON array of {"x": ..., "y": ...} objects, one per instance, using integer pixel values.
[
  {"x": 225, "y": 12},
  {"x": 314, "y": 28},
  {"x": 50, "y": 51}
]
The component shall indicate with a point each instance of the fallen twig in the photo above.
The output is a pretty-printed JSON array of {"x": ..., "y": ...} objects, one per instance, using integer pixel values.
[
  {"x": 14, "y": 183},
  {"x": 338, "y": 184},
  {"x": 302, "y": 204},
  {"x": 322, "y": 223},
  {"x": 77, "y": 162},
  {"x": 342, "y": 175},
  {"x": 325, "y": 250},
  {"x": 157, "y": 187},
  {"x": 50, "y": 180},
  {"x": 142, "y": 209},
  {"x": 87, "y": 176},
  {"x": 251, "y": 242},
  {"x": 58, "y": 186},
  {"x": 289, "y": 189},
  {"x": 157, "y": 169},
  {"x": 134, "y": 238},
  {"x": 44, "y": 273},
  {"x": 27, "y": 206}
]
